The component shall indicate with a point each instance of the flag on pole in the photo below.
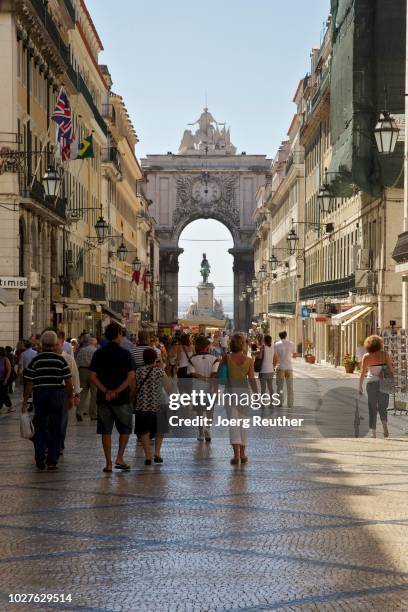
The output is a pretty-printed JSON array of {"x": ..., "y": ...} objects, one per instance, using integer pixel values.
[
  {"x": 62, "y": 116},
  {"x": 84, "y": 149}
]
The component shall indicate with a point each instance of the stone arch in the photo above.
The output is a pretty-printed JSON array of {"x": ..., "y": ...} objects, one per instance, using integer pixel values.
[{"x": 190, "y": 218}]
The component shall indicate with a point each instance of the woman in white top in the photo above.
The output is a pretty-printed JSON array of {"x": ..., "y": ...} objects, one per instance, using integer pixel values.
[
  {"x": 266, "y": 372},
  {"x": 185, "y": 351},
  {"x": 371, "y": 367}
]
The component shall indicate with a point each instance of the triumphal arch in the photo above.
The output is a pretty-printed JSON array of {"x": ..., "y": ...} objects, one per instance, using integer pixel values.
[{"x": 206, "y": 178}]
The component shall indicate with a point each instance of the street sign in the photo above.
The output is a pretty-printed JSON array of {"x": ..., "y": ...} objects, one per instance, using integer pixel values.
[
  {"x": 305, "y": 312},
  {"x": 400, "y": 121},
  {"x": 13, "y": 282}
]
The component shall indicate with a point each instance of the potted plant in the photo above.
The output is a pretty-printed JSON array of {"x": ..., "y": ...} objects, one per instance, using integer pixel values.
[
  {"x": 350, "y": 362},
  {"x": 309, "y": 357}
]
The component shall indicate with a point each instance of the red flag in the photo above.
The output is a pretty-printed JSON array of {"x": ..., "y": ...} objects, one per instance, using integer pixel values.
[{"x": 136, "y": 277}]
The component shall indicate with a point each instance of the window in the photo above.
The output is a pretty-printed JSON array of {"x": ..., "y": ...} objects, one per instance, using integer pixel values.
[{"x": 18, "y": 59}]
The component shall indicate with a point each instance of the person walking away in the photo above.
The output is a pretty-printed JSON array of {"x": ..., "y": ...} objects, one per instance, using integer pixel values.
[
  {"x": 67, "y": 346},
  {"x": 185, "y": 353},
  {"x": 26, "y": 358},
  {"x": 87, "y": 402},
  {"x": 5, "y": 373},
  {"x": 112, "y": 373},
  {"x": 127, "y": 344},
  {"x": 224, "y": 343},
  {"x": 143, "y": 342},
  {"x": 48, "y": 378},
  {"x": 203, "y": 368},
  {"x": 284, "y": 350},
  {"x": 373, "y": 364},
  {"x": 76, "y": 390},
  {"x": 172, "y": 359},
  {"x": 12, "y": 377},
  {"x": 240, "y": 373},
  {"x": 267, "y": 368},
  {"x": 150, "y": 421}
]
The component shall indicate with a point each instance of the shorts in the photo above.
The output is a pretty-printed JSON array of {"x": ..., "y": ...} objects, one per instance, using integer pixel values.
[{"x": 121, "y": 416}]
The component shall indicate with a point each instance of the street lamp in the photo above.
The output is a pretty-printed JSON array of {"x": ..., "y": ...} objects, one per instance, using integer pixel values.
[
  {"x": 292, "y": 240},
  {"x": 136, "y": 264},
  {"x": 386, "y": 133},
  {"x": 51, "y": 181},
  {"x": 324, "y": 197},
  {"x": 254, "y": 283},
  {"x": 273, "y": 262},
  {"x": 148, "y": 276},
  {"x": 122, "y": 251},
  {"x": 101, "y": 229},
  {"x": 158, "y": 286},
  {"x": 249, "y": 289},
  {"x": 262, "y": 272}
]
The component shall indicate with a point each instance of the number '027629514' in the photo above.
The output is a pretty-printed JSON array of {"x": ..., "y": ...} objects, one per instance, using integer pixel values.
[{"x": 40, "y": 598}]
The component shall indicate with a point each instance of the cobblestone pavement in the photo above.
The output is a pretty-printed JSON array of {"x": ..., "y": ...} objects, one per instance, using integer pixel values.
[{"x": 307, "y": 524}]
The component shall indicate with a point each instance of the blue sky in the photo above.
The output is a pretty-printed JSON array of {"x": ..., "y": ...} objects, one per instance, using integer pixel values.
[{"x": 245, "y": 56}]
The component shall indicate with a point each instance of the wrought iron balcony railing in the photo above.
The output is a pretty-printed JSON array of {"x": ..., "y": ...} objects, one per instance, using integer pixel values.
[
  {"x": 36, "y": 192},
  {"x": 93, "y": 291},
  {"x": 335, "y": 288},
  {"x": 283, "y": 308}
]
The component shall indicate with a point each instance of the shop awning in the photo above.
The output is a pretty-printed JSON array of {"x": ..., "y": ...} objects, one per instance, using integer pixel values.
[
  {"x": 360, "y": 315},
  {"x": 113, "y": 314},
  {"x": 7, "y": 300},
  {"x": 342, "y": 317}
]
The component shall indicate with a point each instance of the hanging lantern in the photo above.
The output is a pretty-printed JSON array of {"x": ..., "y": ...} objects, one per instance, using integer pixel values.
[
  {"x": 136, "y": 264},
  {"x": 52, "y": 182},
  {"x": 292, "y": 240},
  {"x": 386, "y": 133},
  {"x": 101, "y": 229},
  {"x": 122, "y": 252},
  {"x": 273, "y": 262}
]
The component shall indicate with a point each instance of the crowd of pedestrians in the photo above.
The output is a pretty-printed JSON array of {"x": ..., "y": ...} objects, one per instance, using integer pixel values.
[{"x": 122, "y": 382}]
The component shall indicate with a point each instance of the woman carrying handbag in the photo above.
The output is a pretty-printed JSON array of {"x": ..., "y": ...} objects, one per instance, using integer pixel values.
[{"x": 376, "y": 367}]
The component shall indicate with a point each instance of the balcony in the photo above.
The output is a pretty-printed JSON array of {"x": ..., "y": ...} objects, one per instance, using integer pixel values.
[
  {"x": 283, "y": 308},
  {"x": 108, "y": 112},
  {"x": 400, "y": 253},
  {"x": 70, "y": 9},
  {"x": 36, "y": 192},
  {"x": 334, "y": 288},
  {"x": 296, "y": 157},
  {"x": 94, "y": 292},
  {"x": 112, "y": 155}
]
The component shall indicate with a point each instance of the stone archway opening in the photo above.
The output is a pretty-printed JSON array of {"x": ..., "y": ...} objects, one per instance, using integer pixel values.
[{"x": 212, "y": 237}]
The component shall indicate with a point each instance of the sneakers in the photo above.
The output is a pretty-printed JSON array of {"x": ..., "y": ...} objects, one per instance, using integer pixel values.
[
  {"x": 207, "y": 435},
  {"x": 385, "y": 429}
]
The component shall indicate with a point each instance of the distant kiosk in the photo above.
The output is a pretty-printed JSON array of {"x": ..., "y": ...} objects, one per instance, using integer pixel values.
[{"x": 205, "y": 312}]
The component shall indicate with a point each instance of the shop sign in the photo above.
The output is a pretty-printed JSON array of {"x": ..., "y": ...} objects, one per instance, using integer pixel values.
[
  {"x": 321, "y": 319},
  {"x": 13, "y": 282},
  {"x": 305, "y": 312}
]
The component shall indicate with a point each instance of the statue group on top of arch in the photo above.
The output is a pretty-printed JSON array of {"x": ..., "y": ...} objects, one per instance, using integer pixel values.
[{"x": 210, "y": 136}]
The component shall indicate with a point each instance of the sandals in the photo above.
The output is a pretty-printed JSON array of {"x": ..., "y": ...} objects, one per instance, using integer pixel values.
[
  {"x": 234, "y": 461},
  {"x": 107, "y": 470},
  {"x": 244, "y": 459},
  {"x": 122, "y": 466},
  {"x": 148, "y": 462},
  {"x": 158, "y": 459}
]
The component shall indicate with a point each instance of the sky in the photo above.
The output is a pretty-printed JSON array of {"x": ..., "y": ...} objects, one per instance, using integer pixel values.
[{"x": 244, "y": 58}]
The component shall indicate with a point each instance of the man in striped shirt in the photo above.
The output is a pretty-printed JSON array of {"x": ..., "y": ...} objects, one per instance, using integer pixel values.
[{"x": 48, "y": 379}]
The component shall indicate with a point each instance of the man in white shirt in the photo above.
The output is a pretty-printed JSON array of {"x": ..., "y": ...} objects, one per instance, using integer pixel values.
[
  {"x": 224, "y": 343},
  {"x": 282, "y": 360},
  {"x": 203, "y": 368},
  {"x": 66, "y": 346}
]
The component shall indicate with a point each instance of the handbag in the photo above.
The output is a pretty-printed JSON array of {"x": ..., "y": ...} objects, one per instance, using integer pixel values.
[
  {"x": 387, "y": 380},
  {"x": 26, "y": 425},
  {"x": 222, "y": 374}
]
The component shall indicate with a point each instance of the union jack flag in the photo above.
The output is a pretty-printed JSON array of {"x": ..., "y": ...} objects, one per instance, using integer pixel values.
[{"x": 62, "y": 117}]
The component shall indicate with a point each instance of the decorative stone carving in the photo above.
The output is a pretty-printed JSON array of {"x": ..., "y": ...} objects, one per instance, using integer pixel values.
[{"x": 208, "y": 195}]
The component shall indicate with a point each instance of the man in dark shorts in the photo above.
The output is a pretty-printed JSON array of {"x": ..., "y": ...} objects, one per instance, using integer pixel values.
[{"x": 112, "y": 373}]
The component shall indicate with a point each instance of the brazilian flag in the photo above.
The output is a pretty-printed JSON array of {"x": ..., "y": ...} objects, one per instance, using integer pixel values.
[{"x": 85, "y": 148}]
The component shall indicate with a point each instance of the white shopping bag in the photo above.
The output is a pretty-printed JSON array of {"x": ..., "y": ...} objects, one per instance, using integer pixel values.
[{"x": 26, "y": 425}]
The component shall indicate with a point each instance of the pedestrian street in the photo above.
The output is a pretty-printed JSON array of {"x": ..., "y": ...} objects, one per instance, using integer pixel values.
[{"x": 306, "y": 524}]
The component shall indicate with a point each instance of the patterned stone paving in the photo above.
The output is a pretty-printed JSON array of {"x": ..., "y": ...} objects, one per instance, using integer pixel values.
[{"x": 307, "y": 524}]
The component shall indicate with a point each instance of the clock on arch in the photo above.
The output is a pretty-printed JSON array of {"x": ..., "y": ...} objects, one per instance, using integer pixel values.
[{"x": 206, "y": 191}]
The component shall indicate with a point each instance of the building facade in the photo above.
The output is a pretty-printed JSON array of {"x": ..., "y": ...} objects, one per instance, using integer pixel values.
[{"x": 65, "y": 276}]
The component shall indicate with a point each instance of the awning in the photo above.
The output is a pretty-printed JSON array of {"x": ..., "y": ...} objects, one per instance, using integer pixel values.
[
  {"x": 360, "y": 315},
  {"x": 281, "y": 315},
  {"x": 7, "y": 300},
  {"x": 340, "y": 318},
  {"x": 111, "y": 313}
]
